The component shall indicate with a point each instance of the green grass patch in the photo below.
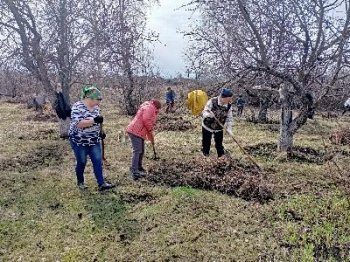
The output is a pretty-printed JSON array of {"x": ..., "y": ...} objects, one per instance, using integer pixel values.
[
  {"x": 44, "y": 217},
  {"x": 316, "y": 227}
]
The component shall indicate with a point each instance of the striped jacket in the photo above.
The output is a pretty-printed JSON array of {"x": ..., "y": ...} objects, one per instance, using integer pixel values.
[{"x": 84, "y": 136}]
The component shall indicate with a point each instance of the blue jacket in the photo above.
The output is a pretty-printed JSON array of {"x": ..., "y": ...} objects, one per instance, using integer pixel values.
[
  {"x": 240, "y": 102},
  {"x": 170, "y": 96}
]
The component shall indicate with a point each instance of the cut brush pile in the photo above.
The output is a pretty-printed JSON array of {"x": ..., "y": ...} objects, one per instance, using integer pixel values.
[
  {"x": 340, "y": 137},
  {"x": 173, "y": 123},
  {"x": 225, "y": 175}
]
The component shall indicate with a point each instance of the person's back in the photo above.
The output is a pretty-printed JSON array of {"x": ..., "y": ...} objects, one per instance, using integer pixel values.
[
  {"x": 347, "y": 103},
  {"x": 240, "y": 103},
  {"x": 144, "y": 120},
  {"x": 170, "y": 96},
  {"x": 346, "y": 106},
  {"x": 170, "y": 100}
]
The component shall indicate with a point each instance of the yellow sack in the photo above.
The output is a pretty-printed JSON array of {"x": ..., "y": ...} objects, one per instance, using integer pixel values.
[{"x": 196, "y": 101}]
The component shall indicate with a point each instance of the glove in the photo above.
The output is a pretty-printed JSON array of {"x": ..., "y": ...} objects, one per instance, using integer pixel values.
[
  {"x": 103, "y": 135},
  {"x": 229, "y": 131},
  {"x": 98, "y": 119}
]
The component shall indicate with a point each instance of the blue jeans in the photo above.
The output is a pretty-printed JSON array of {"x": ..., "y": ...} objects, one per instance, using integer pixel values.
[{"x": 94, "y": 152}]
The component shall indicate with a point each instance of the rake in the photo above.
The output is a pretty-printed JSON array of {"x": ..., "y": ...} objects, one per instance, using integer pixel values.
[
  {"x": 238, "y": 144},
  {"x": 155, "y": 157}
]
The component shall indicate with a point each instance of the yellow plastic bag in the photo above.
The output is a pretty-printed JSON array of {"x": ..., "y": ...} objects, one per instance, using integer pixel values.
[{"x": 196, "y": 101}]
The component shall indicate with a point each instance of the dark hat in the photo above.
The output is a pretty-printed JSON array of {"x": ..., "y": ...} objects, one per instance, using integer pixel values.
[{"x": 226, "y": 92}]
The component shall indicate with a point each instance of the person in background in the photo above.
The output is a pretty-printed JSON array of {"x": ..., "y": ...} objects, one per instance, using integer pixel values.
[
  {"x": 85, "y": 136},
  {"x": 346, "y": 106},
  {"x": 141, "y": 128},
  {"x": 170, "y": 100},
  {"x": 240, "y": 103},
  {"x": 217, "y": 108}
]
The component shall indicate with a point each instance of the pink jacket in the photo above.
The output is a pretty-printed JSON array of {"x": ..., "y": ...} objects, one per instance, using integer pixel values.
[{"x": 144, "y": 121}]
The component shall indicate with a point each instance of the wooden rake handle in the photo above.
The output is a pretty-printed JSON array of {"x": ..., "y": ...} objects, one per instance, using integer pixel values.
[
  {"x": 238, "y": 144},
  {"x": 155, "y": 157},
  {"x": 104, "y": 160}
]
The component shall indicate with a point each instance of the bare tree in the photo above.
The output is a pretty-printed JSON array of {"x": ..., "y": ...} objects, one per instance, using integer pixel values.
[
  {"x": 50, "y": 38},
  {"x": 267, "y": 97},
  {"x": 305, "y": 44},
  {"x": 122, "y": 51},
  {"x": 129, "y": 51},
  {"x": 20, "y": 23}
]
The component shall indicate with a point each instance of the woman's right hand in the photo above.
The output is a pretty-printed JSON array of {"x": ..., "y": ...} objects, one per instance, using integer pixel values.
[{"x": 151, "y": 138}]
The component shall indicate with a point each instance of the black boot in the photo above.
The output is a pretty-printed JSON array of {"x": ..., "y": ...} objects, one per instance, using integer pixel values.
[{"x": 106, "y": 186}]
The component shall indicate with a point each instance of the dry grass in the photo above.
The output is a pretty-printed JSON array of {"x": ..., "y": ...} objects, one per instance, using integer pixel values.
[{"x": 45, "y": 217}]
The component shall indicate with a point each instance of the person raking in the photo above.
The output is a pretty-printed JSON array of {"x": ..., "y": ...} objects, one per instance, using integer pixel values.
[
  {"x": 218, "y": 109},
  {"x": 141, "y": 128}
]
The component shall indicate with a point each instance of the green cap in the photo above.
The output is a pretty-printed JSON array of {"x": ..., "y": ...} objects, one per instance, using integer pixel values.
[{"x": 91, "y": 92}]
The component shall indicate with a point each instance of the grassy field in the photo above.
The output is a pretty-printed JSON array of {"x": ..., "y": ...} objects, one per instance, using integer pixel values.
[{"x": 44, "y": 217}]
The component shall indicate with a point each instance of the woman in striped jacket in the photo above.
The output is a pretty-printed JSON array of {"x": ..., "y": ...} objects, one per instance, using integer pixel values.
[
  {"x": 140, "y": 129},
  {"x": 85, "y": 136}
]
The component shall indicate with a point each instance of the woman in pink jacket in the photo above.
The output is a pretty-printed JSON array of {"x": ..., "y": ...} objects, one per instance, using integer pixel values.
[{"x": 140, "y": 129}]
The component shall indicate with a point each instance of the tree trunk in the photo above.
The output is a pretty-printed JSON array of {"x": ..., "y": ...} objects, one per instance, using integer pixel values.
[
  {"x": 63, "y": 124},
  {"x": 130, "y": 102},
  {"x": 290, "y": 126},
  {"x": 64, "y": 127},
  {"x": 262, "y": 116},
  {"x": 285, "y": 142}
]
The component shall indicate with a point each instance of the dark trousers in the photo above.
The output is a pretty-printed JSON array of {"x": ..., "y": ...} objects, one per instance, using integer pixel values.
[
  {"x": 206, "y": 142},
  {"x": 94, "y": 152},
  {"x": 169, "y": 107},
  {"x": 239, "y": 111},
  {"x": 138, "y": 150},
  {"x": 346, "y": 108}
]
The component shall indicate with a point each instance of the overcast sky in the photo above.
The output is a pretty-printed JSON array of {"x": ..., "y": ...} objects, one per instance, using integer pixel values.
[{"x": 167, "y": 20}]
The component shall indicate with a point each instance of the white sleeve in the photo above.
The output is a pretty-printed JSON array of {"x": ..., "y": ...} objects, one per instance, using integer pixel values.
[
  {"x": 207, "y": 109},
  {"x": 229, "y": 120},
  {"x": 347, "y": 103}
]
